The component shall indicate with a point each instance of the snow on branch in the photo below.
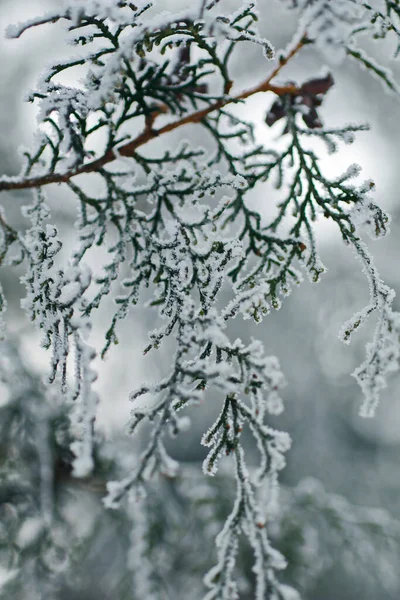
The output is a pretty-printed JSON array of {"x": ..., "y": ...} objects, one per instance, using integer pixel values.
[{"x": 181, "y": 237}]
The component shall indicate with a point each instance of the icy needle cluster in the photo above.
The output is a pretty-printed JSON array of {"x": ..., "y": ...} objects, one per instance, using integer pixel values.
[{"x": 181, "y": 236}]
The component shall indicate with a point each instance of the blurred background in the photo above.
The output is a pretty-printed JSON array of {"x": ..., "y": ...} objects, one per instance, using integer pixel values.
[{"x": 350, "y": 456}]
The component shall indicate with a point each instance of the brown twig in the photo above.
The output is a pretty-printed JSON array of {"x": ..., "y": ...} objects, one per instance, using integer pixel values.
[{"x": 150, "y": 133}]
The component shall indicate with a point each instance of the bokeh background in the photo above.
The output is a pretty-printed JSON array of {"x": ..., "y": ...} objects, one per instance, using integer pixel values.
[{"x": 356, "y": 458}]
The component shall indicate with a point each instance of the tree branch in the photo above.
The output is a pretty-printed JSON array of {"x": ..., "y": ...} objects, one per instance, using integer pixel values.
[{"x": 150, "y": 133}]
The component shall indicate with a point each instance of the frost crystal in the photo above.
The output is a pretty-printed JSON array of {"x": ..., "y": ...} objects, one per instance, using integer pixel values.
[{"x": 180, "y": 237}]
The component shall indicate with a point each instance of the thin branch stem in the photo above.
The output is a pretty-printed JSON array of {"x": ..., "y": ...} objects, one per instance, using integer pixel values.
[{"x": 151, "y": 133}]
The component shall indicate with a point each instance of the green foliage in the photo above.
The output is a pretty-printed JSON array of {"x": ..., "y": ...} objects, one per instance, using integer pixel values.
[{"x": 181, "y": 238}]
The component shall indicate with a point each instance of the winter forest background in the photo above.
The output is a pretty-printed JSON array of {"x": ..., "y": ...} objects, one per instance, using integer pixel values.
[{"x": 353, "y": 457}]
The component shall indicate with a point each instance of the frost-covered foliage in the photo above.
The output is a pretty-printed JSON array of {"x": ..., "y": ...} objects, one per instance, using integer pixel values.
[
  {"x": 152, "y": 548},
  {"x": 182, "y": 238}
]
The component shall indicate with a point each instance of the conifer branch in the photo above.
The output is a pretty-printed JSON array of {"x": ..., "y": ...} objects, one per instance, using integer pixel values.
[{"x": 150, "y": 133}]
